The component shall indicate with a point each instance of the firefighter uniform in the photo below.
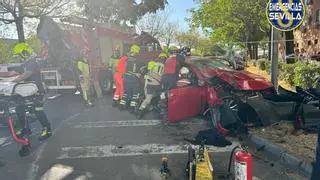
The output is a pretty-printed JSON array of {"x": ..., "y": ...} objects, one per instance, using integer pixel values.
[
  {"x": 114, "y": 60},
  {"x": 83, "y": 68},
  {"x": 132, "y": 79},
  {"x": 118, "y": 79},
  {"x": 169, "y": 81},
  {"x": 152, "y": 82}
]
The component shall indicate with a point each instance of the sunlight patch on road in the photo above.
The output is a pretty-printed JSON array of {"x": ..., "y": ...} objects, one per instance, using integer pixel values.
[
  {"x": 57, "y": 172},
  {"x": 105, "y": 151}
]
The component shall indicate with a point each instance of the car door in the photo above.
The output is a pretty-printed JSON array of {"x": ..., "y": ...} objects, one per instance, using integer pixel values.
[{"x": 184, "y": 102}]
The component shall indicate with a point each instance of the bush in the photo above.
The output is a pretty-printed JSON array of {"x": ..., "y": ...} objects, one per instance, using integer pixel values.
[
  {"x": 254, "y": 63},
  {"x": 306, "y": 75},
  {"x": 268, "y": 66},
  {"x": 261, "y": 64},
  {"x": 287, "y": 73}
]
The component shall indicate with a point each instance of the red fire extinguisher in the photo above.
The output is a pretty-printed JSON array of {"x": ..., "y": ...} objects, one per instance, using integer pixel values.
[{"x": 242, "y": 163}]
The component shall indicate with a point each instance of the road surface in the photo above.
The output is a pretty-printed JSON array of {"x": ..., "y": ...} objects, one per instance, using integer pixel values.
[{"x": 104, "y": 143}]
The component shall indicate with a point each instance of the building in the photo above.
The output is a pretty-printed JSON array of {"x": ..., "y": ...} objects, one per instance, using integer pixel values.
[{"x": 307, "y": 37}]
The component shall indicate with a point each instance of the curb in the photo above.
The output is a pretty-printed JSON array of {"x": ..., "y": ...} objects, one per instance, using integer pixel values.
[{"x": 280, "y": 153}]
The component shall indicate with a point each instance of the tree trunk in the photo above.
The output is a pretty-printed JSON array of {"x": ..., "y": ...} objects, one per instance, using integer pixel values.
[
  {"x": 256, "y": 51},
  {"x": 20, "y": 29},
  {"x": 249, "y": 50}
]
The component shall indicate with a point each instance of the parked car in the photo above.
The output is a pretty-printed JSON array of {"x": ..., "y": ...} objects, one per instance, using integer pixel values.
[{"x": 230, "y": 99}]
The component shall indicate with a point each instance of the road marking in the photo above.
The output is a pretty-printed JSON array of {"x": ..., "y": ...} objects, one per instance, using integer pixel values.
[
  {"x": 128, "y": 123},
  {"x": 57, "y": 172},
  {"x": 130, "y": 150}
]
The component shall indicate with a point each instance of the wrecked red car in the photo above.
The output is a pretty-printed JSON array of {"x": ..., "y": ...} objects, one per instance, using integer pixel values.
[{"x": 230, "y": 99}]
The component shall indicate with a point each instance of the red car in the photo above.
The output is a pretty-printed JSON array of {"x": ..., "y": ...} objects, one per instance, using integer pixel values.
[
  {"x": 214, "y": 83},
  {"x": 235, "y": 100}
]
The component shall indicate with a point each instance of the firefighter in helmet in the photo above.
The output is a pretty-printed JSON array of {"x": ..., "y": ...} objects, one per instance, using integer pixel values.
[
  {"x": 133, "y": 73},
  {"x": 152, "y": 86},
  {"x": 84, "y": 77},
  {"x": 114, "y": 60},
  {"x": 32, "y": 73}
]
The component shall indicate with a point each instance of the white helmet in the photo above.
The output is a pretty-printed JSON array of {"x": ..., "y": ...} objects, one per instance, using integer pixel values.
[{"x": 184, "y": 71}]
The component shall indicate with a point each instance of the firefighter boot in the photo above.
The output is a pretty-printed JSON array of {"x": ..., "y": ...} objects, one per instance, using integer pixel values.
[{"x": 45, "y": 134}]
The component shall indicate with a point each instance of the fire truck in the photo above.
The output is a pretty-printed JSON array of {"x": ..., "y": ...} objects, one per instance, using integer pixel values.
[{"x": 66, "y": 39}]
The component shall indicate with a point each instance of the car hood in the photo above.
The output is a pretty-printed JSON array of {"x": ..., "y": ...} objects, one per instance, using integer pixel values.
[{"x": 242, "y": 80}]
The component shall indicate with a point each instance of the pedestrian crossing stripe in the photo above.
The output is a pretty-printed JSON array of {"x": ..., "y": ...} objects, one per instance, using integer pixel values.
[
  {"x": 106, "y": 151},
  {"x": 127, "y": 123}
]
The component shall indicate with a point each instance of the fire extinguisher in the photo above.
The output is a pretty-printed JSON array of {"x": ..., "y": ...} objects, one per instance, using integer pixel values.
[{"x": 242, "y": 163}]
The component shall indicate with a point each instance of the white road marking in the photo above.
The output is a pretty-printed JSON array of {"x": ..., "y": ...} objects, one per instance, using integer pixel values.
[
  {"x": 127, "y": 123},
  {"x": 108, "y": 124},
  {"x": 57, "y": 172},
  {"x": 105, "y": 151}
]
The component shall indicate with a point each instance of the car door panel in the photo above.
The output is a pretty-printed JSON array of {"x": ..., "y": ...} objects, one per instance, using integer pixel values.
[{"x": 184, "y": 102}]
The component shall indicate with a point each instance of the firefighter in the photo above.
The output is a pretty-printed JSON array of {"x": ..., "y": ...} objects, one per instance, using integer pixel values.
[
  {"x": 32, "y": 73},
  {"x": 84, "y": 76},
  {"x": 118, "y": 79},
  {"x": 171, "y": 72},
  {"x": 114, "y": 60},
  {"x": 152, "y": 82},
  {"x": 169, "y": 80},
  {"x": 131, "y": 78}
]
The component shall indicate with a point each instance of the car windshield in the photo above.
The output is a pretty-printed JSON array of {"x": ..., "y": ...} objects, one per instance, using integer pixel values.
[{"x": 212, "y": 63}]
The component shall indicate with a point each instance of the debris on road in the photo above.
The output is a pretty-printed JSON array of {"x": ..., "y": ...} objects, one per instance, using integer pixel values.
[{"x": 301, "y": 145}]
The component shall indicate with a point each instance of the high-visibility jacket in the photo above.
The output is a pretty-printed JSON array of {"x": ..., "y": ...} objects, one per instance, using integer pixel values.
[
  {"x": 154, "y": 73},
  {"x": 113, "y": 62},
  {"x": 170, "y": 66},
  {"x": 83, "y": 68},
  {"x": 121, "y": 67}
]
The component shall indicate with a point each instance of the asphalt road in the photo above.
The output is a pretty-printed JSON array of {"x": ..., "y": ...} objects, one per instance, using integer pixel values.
[{"x": 104, "y": 143}]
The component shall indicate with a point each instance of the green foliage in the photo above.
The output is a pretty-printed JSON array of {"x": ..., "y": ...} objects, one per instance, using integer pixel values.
[
  {"x": 34, "y": 43},
  {"x": 189, "y": 38},
  {"x": 120, "y": 11},
  {"x": 231, "y": 20},
  {"x": 6, "y": 54},
  {"x": 254, "y": 63},
  {"x": 261, "y": 64},
  {"x": 287, "y": 73},
  {"x": 297, "y": 74},
  {"x": 305, "y": 75}
]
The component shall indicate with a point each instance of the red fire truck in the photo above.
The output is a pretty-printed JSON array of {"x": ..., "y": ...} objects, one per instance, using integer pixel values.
[{"x": 64, "y": 41}]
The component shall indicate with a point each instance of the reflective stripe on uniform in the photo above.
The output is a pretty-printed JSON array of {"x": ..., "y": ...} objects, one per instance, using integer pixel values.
[{"x": 39, "y": 108}]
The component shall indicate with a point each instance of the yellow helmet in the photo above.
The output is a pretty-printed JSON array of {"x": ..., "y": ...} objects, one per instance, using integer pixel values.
[
  {"x": 163, "y": 55},
  {"x": 135, "y": 49}
]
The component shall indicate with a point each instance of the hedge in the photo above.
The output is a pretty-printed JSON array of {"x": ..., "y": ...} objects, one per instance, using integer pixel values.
[{"x": 297, "y": 74}]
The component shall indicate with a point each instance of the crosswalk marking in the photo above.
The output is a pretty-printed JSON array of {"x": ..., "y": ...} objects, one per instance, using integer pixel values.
[
  {"x": 105, "y": 151},
  {"x": 128, "y": 123},
  {"x": 57, "y": 172}
]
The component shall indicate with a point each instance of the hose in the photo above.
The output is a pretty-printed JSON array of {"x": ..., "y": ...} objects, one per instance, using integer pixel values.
[{"x": 231, "y": 157}]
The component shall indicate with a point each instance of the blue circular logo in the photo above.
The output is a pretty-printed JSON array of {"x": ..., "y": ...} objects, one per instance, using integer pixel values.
[{"x": 285, "y": 15}]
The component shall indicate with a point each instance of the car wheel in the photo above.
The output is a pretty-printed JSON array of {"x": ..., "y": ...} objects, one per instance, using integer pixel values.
[{"x": 231, "y": 103}]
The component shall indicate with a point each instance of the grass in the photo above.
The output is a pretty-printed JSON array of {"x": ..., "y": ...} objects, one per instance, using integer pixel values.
[{"x": 254, "y": 70}]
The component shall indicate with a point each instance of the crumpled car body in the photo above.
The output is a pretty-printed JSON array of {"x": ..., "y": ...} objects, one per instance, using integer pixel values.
[{"x": 231, "y": 98}]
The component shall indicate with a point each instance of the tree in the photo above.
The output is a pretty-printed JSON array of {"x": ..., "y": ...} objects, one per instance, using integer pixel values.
[
  {"x": 153, "y": 23},
  {"x": 112, "y": 11},
  {"x": 189, "y": 38},
  {"x": 168, "y": 33},
  {"x": 34, "y": 43},
  {"x": 15, "y": 11},
  {"x": 5, "y": 53},
  {"x": 233, "y": 22}
]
